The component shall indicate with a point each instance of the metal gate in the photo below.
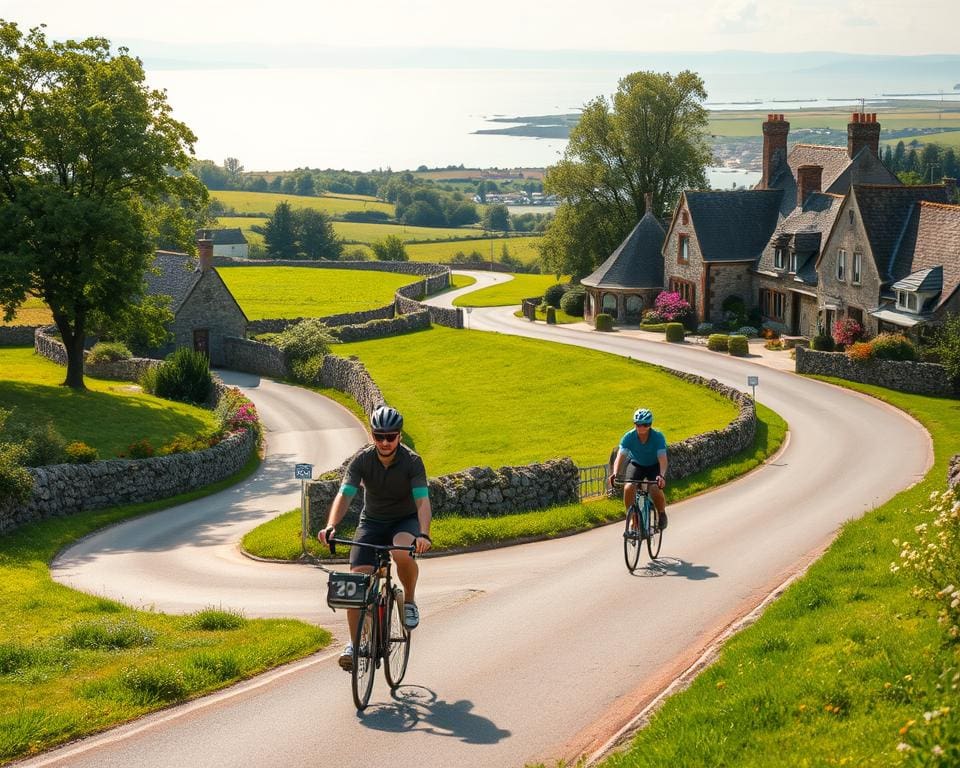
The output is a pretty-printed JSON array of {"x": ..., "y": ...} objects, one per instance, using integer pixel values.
[{"x": 593, "y": 481}]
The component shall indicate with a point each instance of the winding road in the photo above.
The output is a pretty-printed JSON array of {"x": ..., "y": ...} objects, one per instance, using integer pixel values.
[{"x": 527, "y": 653}]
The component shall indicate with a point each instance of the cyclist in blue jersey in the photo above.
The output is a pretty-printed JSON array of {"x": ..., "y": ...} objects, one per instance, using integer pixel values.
[
  {"x": 396, "y": 510},
  {"x": 644, "y": 451}
]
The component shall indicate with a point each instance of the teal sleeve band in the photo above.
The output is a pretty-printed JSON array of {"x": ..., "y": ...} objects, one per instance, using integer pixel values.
[
  {"x": 662, "y": 452},
  {"x": 348, "y": 490},
  {"x": 421, "y": 493}
]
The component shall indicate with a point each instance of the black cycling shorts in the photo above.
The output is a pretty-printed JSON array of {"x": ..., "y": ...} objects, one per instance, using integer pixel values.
[
  {"x": 636, "y": 472},
  {"x": 379, "y": 532}
]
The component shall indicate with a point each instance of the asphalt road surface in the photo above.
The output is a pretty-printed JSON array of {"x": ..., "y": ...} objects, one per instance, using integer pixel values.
[{"x": 533, "y": 652}]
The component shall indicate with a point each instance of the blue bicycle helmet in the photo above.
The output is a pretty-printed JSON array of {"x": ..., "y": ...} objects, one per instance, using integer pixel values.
[
  {"x": 386, "y": 419},
  {"x": 643, "y": 416}
]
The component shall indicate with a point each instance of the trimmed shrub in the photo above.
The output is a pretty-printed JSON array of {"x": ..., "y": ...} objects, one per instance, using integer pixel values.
[
  {"x": 674, "y": 332},
  {"x": 108, "y": 352},
  {"x": 893, "y": 346},
  {"x": 603, "y": 322},
  {"x": 860, "y": 351},
  {"x": 718, "y": 342},
  {"x": 651, "y": 317},
  {"x": 78, "y": 452},
  {"x": 749, "y": 331},
  {"x": 551, "y": 316},
  {"x": 141, "y": 449},
  {"x": 572, "y": 301},
  {"x": 737, "y": 345},
  {"x": 554, "y": 294},
  {"x": 654, "y": 327},
  {"x": 184, "y": 376},
  {"x": 704, "y": 329},
  {"x": 822, "y": 343}
]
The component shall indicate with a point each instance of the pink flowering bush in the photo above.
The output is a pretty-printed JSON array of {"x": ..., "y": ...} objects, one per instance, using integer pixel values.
[
  {"x": 847, "y": 331},
  {"x": 235, "y": 412},
  {"x": 672, "y": 307}
]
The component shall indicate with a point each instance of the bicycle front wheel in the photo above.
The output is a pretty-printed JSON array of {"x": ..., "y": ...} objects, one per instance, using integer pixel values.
[
  {"x": 364, "y": 657},
  {"x": 631, "y": 539},
  {"x": 656, "y": 535},
  {"x": 396, "y": 649}
]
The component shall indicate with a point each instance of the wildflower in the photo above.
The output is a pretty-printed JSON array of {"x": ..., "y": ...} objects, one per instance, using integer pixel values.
[
  {"x": 937, "y": 750},
  {"x": 903, "y": 747}
]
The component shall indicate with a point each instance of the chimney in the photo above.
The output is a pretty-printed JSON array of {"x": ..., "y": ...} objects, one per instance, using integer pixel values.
[
  {"x": 775, "y": 131},
  {"x": 863, "y": 130},
  {"x": 809, "y": 179},
  {"x": 951, "y": 185},
  {"x": 205, "y": 250}
]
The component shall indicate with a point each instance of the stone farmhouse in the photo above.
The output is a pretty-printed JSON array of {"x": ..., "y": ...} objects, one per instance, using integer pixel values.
[
  {"x": 226, "y": 242},
  {"x": 204, "y": 310},
  {"x": 827, "y": 233}
]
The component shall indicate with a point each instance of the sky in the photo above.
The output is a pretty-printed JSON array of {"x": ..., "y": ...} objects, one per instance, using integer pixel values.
[{"x": 847, "y": 26}]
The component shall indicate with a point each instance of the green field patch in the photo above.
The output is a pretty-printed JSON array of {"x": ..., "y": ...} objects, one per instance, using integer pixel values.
[
  {"x": 108, "y": 415},
  {"x": 508, "y": 293},
  {"x": 275, "y": 292},
  {"x": 33, "y": 311},
  {"x": 265, "y": 202},
  {"x": 473, "y": 398},
  {"x": 365, "y": 232},
  {"x": 523, "y": 248}
]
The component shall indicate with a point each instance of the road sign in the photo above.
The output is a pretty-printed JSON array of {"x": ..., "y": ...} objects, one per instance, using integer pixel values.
[
  {"x": 303, "y": 471},
  {"x": 753, "y": 381}
]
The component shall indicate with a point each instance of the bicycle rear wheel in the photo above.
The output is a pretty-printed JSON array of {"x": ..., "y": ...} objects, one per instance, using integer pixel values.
[
  {"x": 364, "y": 657},
  {"x": 631, "y": 539},
  {"x": 396, "y": 649},
  {"x": 655, "y": 537}
]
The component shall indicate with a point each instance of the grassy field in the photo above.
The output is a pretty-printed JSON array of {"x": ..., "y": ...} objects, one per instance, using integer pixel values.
[
  {"x": 265, "y": 202},
  {"x": 32, "y": 312},
  {"x": 108, "y": 416},
  {"x": 842, "y": 667},
  {"x": 308, "y": 292},
  {"x": 446, "y": 384},
  {"x": 508, "y": 293},
  {"x": 523, "y": 248},
  {"x": 748, "y": 123}
]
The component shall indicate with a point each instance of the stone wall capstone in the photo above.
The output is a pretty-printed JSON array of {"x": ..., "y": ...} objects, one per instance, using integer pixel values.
[
  {"x": 350, "y": 375},
  {"x": 377, "y": 329},
  {"x": 903, "y": 376}
]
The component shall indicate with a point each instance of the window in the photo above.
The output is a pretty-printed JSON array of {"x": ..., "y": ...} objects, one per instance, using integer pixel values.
[
  {"x": 793, "y": 261},
  {"x": 907, "y": 300},
  {"x": 610, "y": 304},
  {"x": 634, "y": 305},
  {"x": 850, "y": 215},
  {"x": 841, "y": 265},
  {"x": 778, "y": 257},
  {"x": 857, "y": 264},
  {"x": 855, "y": 313},
  {"x": 685, "y": 289},
  {"x": 683, "y": 249},
  {"x": 772, "y": 304}
]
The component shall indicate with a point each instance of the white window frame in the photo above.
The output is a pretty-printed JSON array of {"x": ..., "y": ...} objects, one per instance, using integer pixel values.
[
  {"x": 907, "y": 300},
  {"x": 683, "y": 254},
  {"x": 778, "y": 260},
  {"x": 841, "y": 265},
  {"x": 857, "y": 272},
  {"x": 793, "y": 262}
]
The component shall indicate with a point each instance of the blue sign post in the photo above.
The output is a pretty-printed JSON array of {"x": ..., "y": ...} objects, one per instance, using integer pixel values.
[
  {"x": 303, "y": 472},
  {"x": 752, "y": 382}
]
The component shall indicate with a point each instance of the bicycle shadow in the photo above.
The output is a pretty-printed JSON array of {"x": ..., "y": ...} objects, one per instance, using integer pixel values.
[
  {"x": 674, "y": 566},
  {"x": 417, "y": 708}
]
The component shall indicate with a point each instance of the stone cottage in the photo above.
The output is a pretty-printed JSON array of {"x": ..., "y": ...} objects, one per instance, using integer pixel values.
[
  {"x": 629, "y": 280},
  {"x": 226, "y": 242},
  {"x": 892, "y": 259},
  {"x": 205, "y": 312}
]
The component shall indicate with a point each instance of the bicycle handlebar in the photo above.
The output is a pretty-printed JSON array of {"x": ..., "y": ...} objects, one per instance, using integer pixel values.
[{"x": 334, "y": 540}]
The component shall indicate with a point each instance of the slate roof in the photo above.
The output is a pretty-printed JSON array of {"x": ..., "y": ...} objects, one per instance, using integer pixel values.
[
  {"x": 921, "y": 282},
  {"x": 173, "y": 274},
  {"x": 637, "y": 262},
  {"x": 733, "y": 225},
  {"x": 932, "y": 241},
  {"x": 887, "y": 214},
  {"x": 226, "y": 236}
]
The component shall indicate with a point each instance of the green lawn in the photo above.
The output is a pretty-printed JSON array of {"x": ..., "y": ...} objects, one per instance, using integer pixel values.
[
  {"x": 508, "y": 293},
  {"x": 842, "y": 667},
  {"x": 108, "y": 416},
  {"x": 273, "y": 292},
  {"x": 473, "y": 398},
  {"x": 523, "y": 248},
  {"x": 265, "y": 202}
]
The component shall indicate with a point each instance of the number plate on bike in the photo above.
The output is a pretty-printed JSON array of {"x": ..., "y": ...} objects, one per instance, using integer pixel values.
[{"x": 348, "y": 590}]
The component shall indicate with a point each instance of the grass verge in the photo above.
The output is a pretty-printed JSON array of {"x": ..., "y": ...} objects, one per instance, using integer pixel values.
[
  {"x": 72, "y": 664},
  {"x": 842, "y": 666},
  {"x": 280, "y": 538},
  {"x": 508, "y": 293}
]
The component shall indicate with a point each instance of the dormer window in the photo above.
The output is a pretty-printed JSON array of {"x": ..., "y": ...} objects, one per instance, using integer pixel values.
[
  {"x": 907, "y": 300},
  {"x": 841, "y": 265},
  {"x": 793, "y": 262},
  {"x": 779, "y": 257}
]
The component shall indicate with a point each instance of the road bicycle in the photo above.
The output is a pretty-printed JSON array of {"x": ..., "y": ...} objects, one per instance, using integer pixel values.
[
  {"x": 642, "y": 524},
  {"x": 381, "y": 635}
]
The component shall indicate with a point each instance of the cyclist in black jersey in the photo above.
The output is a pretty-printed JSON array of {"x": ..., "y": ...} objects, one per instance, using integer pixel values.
[{"x": 396, "y": 510}]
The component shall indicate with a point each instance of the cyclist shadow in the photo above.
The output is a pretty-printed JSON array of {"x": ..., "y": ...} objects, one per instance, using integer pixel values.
[
  {"x": 416, "y": 708},
  {"x": 674, "y": 566}
]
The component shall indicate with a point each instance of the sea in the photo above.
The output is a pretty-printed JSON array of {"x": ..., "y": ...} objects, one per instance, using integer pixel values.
[{"x": 362, "y": 119}]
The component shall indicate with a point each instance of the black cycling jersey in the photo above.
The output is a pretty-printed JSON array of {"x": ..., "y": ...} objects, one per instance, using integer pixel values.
[{"x": 388, "y": 491}]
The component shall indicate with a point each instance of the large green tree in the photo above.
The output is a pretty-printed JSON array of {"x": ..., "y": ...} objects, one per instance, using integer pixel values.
[
  {"x": 91, "y": 164},
  {"x": 650, "y": 139}
]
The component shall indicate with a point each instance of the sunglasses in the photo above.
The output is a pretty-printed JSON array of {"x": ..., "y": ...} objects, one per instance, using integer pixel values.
[
  {"x": 643, "y": 425},
  {"x": 385, "y": 437}
]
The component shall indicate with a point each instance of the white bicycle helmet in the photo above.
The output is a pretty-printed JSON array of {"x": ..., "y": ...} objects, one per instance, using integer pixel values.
[
  {"x": 643, "y": 416},
  {"x": 386, "y": 419}
]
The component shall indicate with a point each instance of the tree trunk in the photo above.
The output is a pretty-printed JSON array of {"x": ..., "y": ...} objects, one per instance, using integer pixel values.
[{"x": 73, "y": 339}]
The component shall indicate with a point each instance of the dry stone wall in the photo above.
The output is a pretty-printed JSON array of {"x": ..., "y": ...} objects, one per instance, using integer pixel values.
[
  {"x": 953, "y": 473},
  {"x": 254, "y": 357},
  {"x": 17, "y": 335},
  {"x": 903, "y": 376},
  {"x": 51, "y": 348}
]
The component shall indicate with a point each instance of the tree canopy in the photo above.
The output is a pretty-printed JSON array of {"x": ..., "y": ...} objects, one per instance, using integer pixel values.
[
  {"x": 651, "y": 139},
  {"x": 91, "y": 170}
]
